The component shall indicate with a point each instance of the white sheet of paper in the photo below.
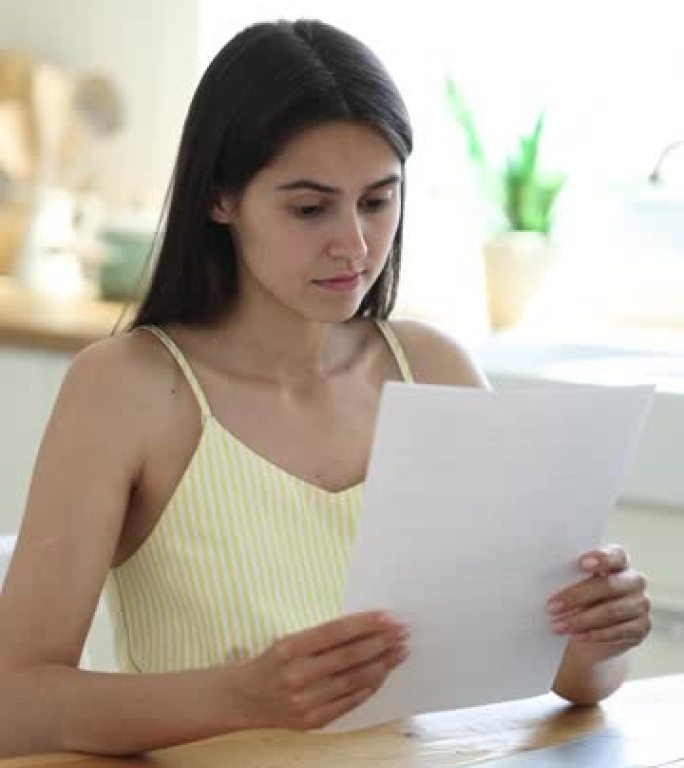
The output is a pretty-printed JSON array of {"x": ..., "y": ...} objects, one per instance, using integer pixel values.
[{"x": 476, "y": 507}]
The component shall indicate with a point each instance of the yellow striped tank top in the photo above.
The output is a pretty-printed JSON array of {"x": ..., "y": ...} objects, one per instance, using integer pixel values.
[{"x": 244, "y": 553}]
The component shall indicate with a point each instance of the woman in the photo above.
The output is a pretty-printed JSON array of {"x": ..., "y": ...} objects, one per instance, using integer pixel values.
[{"x": 208, "y": 463}]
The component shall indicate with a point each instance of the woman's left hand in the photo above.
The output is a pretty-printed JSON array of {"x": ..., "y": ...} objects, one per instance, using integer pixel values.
[{"x": 607, "y": 613}]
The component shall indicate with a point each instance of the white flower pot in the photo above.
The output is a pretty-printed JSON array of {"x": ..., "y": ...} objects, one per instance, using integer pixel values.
[{"x": 516, "y": 264}]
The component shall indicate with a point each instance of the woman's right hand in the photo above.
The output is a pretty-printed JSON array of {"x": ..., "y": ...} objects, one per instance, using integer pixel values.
[{"x": 308, "y": 679}]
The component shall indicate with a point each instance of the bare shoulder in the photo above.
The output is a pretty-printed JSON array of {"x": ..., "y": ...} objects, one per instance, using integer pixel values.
[
  {"x": 435, "y": 357},
  {"x": 119, "y": 383},
  {"x": 128, "y": 364}
]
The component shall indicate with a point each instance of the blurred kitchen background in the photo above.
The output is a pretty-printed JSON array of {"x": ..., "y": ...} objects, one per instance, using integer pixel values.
[{"x": 545, "y": 224}]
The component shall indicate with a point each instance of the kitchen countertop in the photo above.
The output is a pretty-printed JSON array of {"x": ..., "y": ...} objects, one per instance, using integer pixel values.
[
  {"x": 652, "y": 357},
  {"x": 42, "y": 321}
]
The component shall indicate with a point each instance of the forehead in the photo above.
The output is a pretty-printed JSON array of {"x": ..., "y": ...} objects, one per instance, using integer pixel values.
[{"x": 338, "y": 153}]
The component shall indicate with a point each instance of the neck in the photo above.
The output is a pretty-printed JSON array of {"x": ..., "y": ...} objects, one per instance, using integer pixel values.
[{"x": 282, "y": 346}]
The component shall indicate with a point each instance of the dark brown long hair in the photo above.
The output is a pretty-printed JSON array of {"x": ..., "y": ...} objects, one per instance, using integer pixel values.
[{"x": 269, "y": 82}]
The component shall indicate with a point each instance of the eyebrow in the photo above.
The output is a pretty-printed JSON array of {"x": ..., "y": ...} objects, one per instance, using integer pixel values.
[{"x": 316, "y": 186}]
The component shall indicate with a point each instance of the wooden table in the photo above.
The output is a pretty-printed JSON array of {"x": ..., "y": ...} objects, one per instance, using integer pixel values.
[{"x": 646, "y": 717}]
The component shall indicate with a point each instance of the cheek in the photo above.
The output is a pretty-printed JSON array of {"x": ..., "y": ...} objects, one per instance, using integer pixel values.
[
  {"x": 268, "y": 239},
  {"x": 384, "y": 237},
  {"x": 277, "y": 255}
]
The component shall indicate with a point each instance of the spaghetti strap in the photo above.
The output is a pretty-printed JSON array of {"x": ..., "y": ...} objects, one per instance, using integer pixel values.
[
  {"x": 183, "y": 364},
  {"x": 397, "y": 350}
]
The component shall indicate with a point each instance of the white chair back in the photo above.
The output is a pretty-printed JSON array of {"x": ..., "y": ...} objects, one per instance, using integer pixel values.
[{"x": 6, "y": 549}]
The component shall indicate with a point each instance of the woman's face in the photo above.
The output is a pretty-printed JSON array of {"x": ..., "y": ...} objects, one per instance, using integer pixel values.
[{"x": 314, "y": 228}]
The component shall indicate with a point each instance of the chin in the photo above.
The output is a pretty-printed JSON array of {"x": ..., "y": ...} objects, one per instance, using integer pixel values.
[
  {"x": 335, "y": 311},
  {"x": 336, "y": 316},
  {"x": 332, "y": 312}
]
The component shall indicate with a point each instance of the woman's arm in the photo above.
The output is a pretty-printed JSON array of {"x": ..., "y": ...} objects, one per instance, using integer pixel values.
[
  {"x": 583, "y": 681},
  {"x": 604, "y": 615},
  {"x": 302, "y": 681},
  {"x": 89, "y": 459},
  {"x": 51, "y": 707}
]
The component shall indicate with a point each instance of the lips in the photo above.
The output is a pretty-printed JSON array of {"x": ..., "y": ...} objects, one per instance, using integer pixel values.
[
  {"x": 340, "y": 278},
  {"x": 344, "y": 282}
]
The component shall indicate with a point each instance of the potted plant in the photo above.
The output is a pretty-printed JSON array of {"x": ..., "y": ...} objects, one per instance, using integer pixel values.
[{"x": 517, "y": 250}]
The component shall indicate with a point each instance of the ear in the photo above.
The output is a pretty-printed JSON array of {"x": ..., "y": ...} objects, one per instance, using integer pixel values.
[{"x": 223, "y": 208}]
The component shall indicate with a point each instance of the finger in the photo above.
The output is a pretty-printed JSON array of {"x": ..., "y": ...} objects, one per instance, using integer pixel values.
[
  {"x": 368, "y": 675},
  {"x": 326, "y": 713},
  {"x": 603, "y": 615},
  {"x": 628, "y": 632},
  {"x": 595, "y": 590},
  {"x": 609, "y": 559},
  {"x": 333, "y": 633},
  {"x": 331, "y": 710},
  {"x": 309, "y": 669}
]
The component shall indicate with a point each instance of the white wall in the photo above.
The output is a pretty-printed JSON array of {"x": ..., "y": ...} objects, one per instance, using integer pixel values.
[
  {"x": 148, "y": 47},
  {"x": 29, "y": 382}
]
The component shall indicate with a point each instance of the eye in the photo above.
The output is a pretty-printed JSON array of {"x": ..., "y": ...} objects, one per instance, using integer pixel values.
[
  {"x": 373, "y": 204},
  {"x": 307, "y": 211}
]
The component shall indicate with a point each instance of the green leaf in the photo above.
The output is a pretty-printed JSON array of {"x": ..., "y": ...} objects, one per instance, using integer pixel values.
[
  {"x": 465, "y": 119},
  {"x": 523, "y": 193},
  {"x": 529, "y": 195}
]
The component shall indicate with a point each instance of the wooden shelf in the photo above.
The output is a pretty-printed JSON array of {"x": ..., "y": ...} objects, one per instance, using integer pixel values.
[{"x": 57, "y": 323}]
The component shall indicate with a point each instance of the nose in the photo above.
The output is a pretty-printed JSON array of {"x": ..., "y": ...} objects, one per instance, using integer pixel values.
[{"x": 349, "y": 239}]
